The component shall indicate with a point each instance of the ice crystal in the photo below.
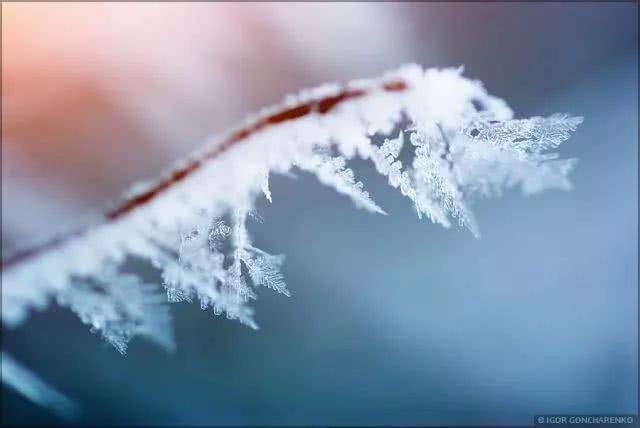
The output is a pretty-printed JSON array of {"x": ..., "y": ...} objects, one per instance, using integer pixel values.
[
  {"x": 332, "y": 171},
  {"x": 120, "y": 306},
  {"x": 524, "y": 136},
  {"x": 203, "y": 271}
]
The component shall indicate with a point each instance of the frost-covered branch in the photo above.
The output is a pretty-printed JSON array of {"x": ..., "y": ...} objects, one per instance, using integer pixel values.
[{"x": 460, "y": 144}]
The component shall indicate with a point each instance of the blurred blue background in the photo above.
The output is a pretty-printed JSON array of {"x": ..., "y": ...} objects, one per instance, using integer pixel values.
[{"x": 392, "y": 320}]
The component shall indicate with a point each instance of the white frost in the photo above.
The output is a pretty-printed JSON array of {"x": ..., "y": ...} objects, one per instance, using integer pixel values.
[
  {"x": 332, "y": 172},
  {"x": 120, "y": 306}
]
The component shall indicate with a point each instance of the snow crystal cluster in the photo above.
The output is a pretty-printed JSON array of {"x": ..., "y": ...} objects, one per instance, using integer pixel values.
[
  {"x": 221, "y": 281},
  {"x": 119, "y": 306},
  {"x": 462, "y": 144}
]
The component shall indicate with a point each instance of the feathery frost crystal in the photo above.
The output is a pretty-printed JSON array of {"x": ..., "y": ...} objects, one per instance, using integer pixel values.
[{"x": 462, "y": 144}]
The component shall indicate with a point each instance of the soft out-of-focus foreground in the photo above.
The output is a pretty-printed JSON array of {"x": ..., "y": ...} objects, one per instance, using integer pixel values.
[{"x": 392, "y": 320}]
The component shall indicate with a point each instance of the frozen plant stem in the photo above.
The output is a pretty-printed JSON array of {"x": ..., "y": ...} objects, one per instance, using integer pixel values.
[
  {"x": 191, "y": 225},
  {"x": 320, "y": 106}
]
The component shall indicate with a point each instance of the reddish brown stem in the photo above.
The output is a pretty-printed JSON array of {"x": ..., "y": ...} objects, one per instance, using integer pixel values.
[{"x": 321, "y": 106}]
